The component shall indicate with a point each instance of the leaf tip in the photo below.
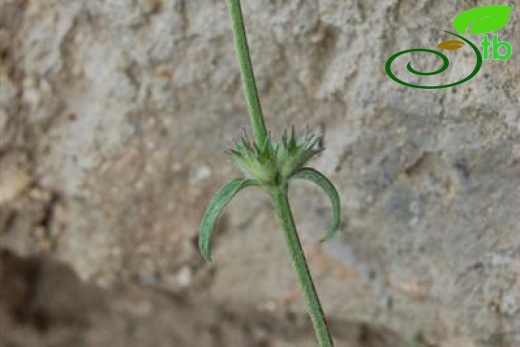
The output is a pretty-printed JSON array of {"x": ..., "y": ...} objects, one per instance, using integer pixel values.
[
  {"x": 207, "y": 257},
  {"x": 204, "y": 249}
]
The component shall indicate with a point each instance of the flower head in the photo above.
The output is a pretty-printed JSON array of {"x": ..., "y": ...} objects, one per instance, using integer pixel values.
[{"x": 270, "y": 163}]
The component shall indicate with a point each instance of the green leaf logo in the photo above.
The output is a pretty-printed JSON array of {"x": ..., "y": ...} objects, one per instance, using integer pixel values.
[{"x": 483, "y": 19}]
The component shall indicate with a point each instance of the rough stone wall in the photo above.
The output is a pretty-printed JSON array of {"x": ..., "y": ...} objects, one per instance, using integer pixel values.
[{"x": 114, "y": 116}]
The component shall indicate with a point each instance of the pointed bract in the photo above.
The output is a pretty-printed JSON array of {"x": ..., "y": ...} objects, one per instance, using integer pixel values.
[{"x": 270, "y": 163}]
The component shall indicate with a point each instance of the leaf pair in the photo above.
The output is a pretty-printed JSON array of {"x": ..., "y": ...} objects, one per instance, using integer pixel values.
[{"x": 230, "y": 189}]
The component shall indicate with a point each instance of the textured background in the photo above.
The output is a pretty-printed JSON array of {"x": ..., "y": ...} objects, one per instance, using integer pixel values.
[{"x": 114, "y": 116}]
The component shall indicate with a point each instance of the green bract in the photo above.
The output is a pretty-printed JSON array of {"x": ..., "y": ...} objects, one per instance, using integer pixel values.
[
  {"x": 271, "y": 163},
  {"x": 295, "y": 152},
  {"x": 256, "y": 161}
]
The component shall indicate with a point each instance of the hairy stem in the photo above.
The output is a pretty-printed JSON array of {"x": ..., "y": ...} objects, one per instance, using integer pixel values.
[
  {"x": 284, "y": 213},
  {"x": 278, "y": 194},
  {"x": 246, "y": 72}
]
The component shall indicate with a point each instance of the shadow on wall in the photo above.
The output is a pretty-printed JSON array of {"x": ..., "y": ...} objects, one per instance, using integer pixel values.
[{"x": 43, "y": 303}]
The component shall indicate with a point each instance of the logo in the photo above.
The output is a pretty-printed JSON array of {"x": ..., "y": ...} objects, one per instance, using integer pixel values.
[{"x": 479, "y": 20}]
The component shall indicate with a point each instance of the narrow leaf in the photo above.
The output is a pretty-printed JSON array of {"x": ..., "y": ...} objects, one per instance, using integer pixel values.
[
  {"x": 323, "y": 182},
  {"x": 451, "y": 45},
  {"x": 482, "y": 20},
  {"x": 215, "y": 207}
]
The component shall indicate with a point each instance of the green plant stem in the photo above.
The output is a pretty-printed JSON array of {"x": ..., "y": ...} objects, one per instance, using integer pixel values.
[
  {"x": 278, "y": 194},
  {"x": 246, "y": 72},
  {"x": 283, "y": 210}
]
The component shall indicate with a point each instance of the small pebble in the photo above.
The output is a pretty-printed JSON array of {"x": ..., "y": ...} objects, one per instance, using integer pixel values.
[
  {"x": 184, "y": 277},
  {"x": 204, "y": 172},
  {"x": 508, "y": 304}
]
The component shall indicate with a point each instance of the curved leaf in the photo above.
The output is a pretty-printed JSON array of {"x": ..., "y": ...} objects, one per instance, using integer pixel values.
[
  {"x": 485, "y": 19},
  {"x": 323, "y": 182},
  {"x": 451, "y": 45},
  {"x": 215, "y": 207}
]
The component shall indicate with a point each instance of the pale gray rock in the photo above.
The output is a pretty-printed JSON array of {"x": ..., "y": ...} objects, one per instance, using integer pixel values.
[{"x": 120, "y": 105}]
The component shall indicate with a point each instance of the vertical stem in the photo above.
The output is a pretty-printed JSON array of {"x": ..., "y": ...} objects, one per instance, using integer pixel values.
[
  {"x": 246, "y": 72},
  {"x": 284, "y": 213}
]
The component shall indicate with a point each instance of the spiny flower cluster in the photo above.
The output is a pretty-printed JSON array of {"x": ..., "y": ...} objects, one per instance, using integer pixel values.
[{"x": 270, "y": 163}]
